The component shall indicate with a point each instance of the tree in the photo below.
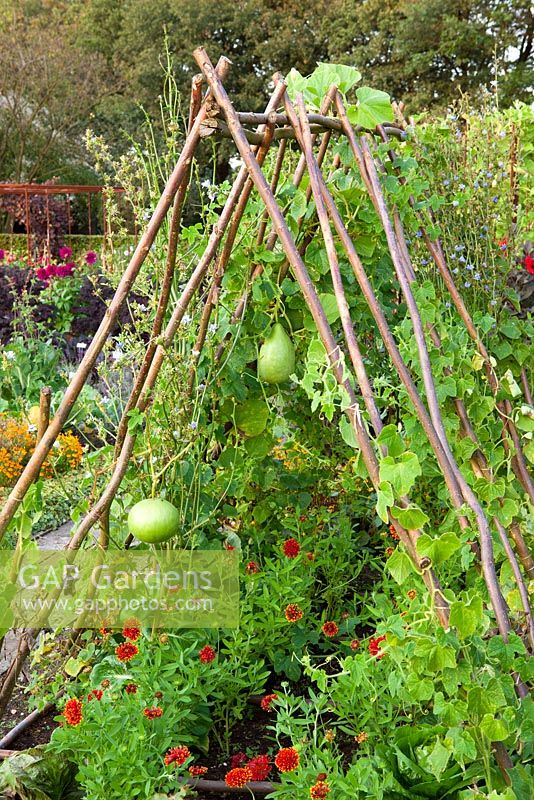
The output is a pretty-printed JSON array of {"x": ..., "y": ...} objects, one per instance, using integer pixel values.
[
  {"x": 426, "y": 51},
  {"x": 48, "y": 89}
]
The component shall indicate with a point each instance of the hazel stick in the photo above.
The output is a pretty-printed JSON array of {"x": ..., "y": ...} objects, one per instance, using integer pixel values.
[
  {"x": 222, "y": 261},
  {"x": 170, "y": 266}
]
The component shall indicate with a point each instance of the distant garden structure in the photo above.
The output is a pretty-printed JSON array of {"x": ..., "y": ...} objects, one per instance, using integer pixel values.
[{"x": 36, "y": 219}]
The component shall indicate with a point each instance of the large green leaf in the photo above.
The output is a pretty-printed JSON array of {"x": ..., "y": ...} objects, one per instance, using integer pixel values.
[
  {"x": 401, "y": 472},
  {"x": 374, "y": 108}
]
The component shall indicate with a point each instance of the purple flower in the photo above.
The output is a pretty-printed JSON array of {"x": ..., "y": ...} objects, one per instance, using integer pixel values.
[
  {"x": 91, "y": 257},
  {"x": 65, "y": 270},
  {"x": 65, "y": 252},
  {"x": 2, "y": 255},
  {"x": 42, "y": 274}
]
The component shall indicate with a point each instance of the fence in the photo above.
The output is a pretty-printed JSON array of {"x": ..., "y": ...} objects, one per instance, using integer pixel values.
[{"x": 32, "y": 213}]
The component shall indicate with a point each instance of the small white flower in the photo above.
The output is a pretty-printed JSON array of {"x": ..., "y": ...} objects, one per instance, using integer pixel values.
[
  {"x": 186, "y": 319},
  {"x": 81, "y": 346},
  {"x": 206, "y": 184},
  {"x": 195, "y": 353},
  {"x": 212, "y": 327},
  {"x": 56, "y": 445},
  {"x": 71, "y": 375},
  {"x": 32, "y": 428},
  {"x": 142, "y": 307},
  {"x": 193, "y": 425},
  {"x": 117, "y": 355},
  {"x": 201, "y": 387},
  {"x": 10, "y": 355},
  {"x": 235, "y": 162}
]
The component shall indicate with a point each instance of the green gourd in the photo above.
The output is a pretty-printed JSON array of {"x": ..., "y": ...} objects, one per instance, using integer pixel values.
[{"x": 276, "y": 360}]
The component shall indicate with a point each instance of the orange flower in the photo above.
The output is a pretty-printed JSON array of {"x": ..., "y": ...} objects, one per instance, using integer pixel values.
[
  {"x": 177, "y": 755},
  {"x": 319, "y": 790},
  {"x": 197, "y": 772},
  {"x": 73, "y": 711},
  {"x": 152, "y": 713},
  {"x": 131, "y": 630},
  {"x": 238, "y": 778},
  {"x": 330, "y": 629},
  {"x": 293, "y": 613},
  {"x": 126, "y": 651},
  {"x": 267, "y": 701},
  {"x": 287, "y": 759}
]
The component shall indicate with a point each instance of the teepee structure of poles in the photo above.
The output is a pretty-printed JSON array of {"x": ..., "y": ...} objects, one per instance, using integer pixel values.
[{"x": 215, "y": 115}]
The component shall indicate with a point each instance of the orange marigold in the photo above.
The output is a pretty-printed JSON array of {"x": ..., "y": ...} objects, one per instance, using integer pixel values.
[
  {"x": 73, "y": 711},
  {"x": 266, "y": 701},
  {"x": 177, "y": 755},
  {"x": 197, "y": 772},
  {"x": 330, "y": 629},
  {"x": 238, "y": 778},
  {"x": 126, "y": 651},
  {"x": 287, "y": 759},
  {"x": 131, "y": 630},
  {"x": 293, "y": 612},
  {"x": 319, "y": 790},
  {"x": 152, "y": 713}
]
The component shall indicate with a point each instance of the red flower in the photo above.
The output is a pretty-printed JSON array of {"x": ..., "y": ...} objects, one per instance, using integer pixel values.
[
  {"x": 177, "y": 755},
  {"x": 96, "y": 693},
  {"x": 287, "y": 759},
  {"x": 131, "y": 630},
  {"x": 310, "y": 556},
  {"x": 330, "y": 629},
  {"x": 293, "y": 613},
  {"x": 64, "y": 270},
  {"x": 130, "y": 688},
  {"x": 252, "y": 568},
  {"x": 267, "y": 701},
  {"x": 73, "y": 711},
  {"x": 319, "y": 790},
  {"x": 238, "y": 778},
  {"x": 65, "y": 252},
  {"x": 374, "y": 647},
  {"x": 528, "y": 261},
  {"x": 91, "y": 257},
  {"x": 42, "y": 274},
  {"x": 354, "y": 645},
  {"x": 126, "y": 651},
  {"x": 291, "y": 548},
  {"x": 196, "y": 772},
  {"x": 207, "y": 654},
  {"x": 259, "y": 767},
  {"x": 238, "y": 759},
  {"x": 152, "y": 713}
]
